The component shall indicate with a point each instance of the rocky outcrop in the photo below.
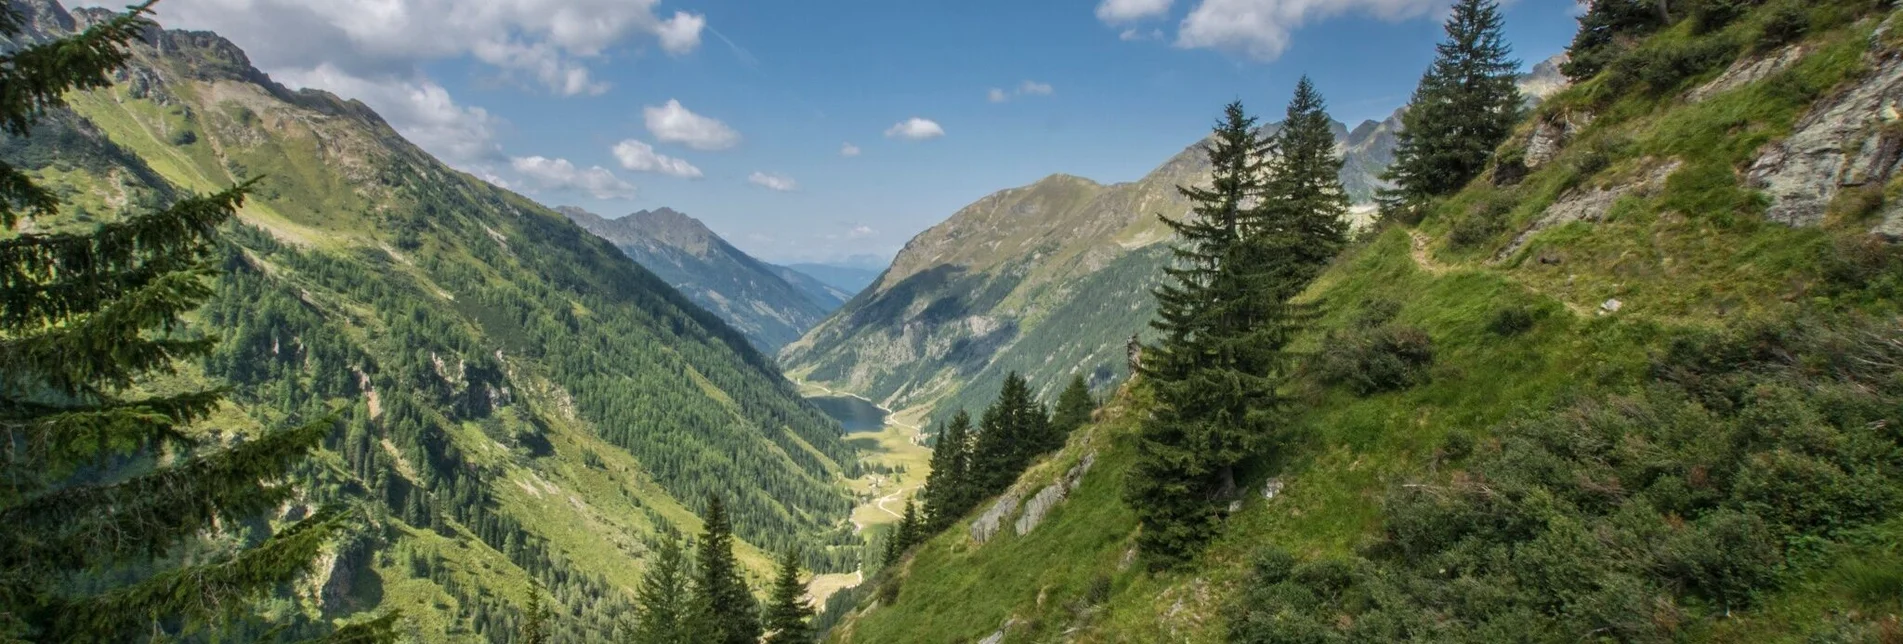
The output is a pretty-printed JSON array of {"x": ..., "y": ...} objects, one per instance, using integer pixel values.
[
  {"x": 1590, "y": 204},
  {"x": 1749, "y": 70},
  {"x": 1850, "y": 139},
  {"x": 1551, "y": 135},
  {"x": 989, "y": 523},
  {"x": 1047, "y": 499}
]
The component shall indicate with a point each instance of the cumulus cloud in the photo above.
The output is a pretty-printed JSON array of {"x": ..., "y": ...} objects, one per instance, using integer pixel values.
[
  {"x": 673, "y": 123},
  {"x": 559, "y": 174},
  {"x": 1262, "y": 29},
  {"x": 421, "y": 110},
  {"x": 641, "y": 157},
  {"x": 1118, "y": 11},
  {"x": 776, "y": 182},
  {"x": 997, "y": 95},
  {"x": 861, "y": 232},
  {"x": 1133, "y": 34},
  {"x": 550, "y": 41},
  {"x": 849, "y": 150},
  {"x": 915, "y": 129}
]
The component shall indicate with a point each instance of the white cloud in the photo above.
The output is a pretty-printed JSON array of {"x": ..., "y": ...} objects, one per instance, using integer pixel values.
[
  {"x": 849, "y": 150},
  {"x": 915, "y": 129},
  {"x": 559, "y": 174},
  {"x": 861, "y": 232},
  {"x": 420, "y": 110},
  {"x": 641, "y": 157},
  {"x": 1116, "y": 11},
  {"x": 550, "y": 41},
  {"x": 1026, "y": 88},
  {"x": 673, "y": 123},
  {"x": 1262, "y": 29},
  {"x": 776, "y": 182},
  {"x": 1134, "y": 35}
]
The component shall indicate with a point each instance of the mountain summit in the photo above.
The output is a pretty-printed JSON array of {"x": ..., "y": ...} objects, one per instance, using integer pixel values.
[{"x": 760, "y": 299}]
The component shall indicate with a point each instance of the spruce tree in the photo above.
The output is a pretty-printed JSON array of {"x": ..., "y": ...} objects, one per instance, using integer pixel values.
[
  {"x": 1303, "y": 211},
  {"x": 727, "y": 612},
  {"x": 1465, "y": 106},
  {"x": 1606, "y": 30},
  {"x": 789, "y": 618},
  {"x": 665, "y": 599},
  {"x": 945, "y": 487},
  {"x": 992, "y": 451},
  {"x": 535, "y": 618},
  {"x": 100, "y": 470},
  {"x": 1074, "y": 407},
  {"x": 1195, "y": 367}
]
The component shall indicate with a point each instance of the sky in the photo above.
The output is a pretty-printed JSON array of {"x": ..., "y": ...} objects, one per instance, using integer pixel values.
[{"x": 823, "y": 129}]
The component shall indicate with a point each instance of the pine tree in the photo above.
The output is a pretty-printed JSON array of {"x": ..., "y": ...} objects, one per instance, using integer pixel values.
[
  {"x": 667, "y": 607},
  {"x": 535, "y": 618},
  {"x": 1465, "y": 106},
  {"x": 789, "y": 619},
  {"x": 727, "y": 612},
  {"x": 89, "y": 318},
  {"x": 1074, "y": 407},
  {"x": 992, "y": 451},
  {"x": 1605, "y": 32},
  {"x": 1194, "y": 369},
  {"x": 1304, "y": 209},
  {"x": 909, "y": 532},
  {"x": 946, "y": 487}
]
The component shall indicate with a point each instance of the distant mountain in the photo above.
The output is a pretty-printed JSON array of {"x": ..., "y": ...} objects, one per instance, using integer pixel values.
[
  {"x": 827, "y": 296},
  {"x": 1048, "y": 280},
  {"x": 849, "y": 278},
  {"x": 755, "y": 297},
  {"x": 517, "y": 399}
]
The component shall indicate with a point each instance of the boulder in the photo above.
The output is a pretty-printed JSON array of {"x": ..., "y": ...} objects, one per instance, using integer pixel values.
[
  {"x": 1047, "y": 499},
  {"x": 1590, "y": 204},
  {"x": 989, "y": 523}
]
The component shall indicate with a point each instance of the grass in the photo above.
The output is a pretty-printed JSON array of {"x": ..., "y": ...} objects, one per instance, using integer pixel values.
[{"x": 1693, "y": 254}]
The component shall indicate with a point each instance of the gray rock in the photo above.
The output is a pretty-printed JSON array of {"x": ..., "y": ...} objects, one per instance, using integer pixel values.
[
  {"x": 1047, "y": 499},
  {"x": 1551, "y": 135},
  {"x": 1272, "y": 488},
  {"x": 989, "y": 523},
  {"x": 1747, "y": 71},
  {"x": 1842, "y": 142},
  {"x": 1611, "y": 306},
  {"x": 996, "y": 637},
  {"x": 1589, "y": 204}
]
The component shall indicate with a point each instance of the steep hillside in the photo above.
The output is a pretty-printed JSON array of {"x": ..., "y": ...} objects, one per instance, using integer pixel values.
[
  {"x": 827, "y": 296},
  {"x": 521, "y": 401},
  {"x": 1050, "y": 279},
  {"x": 1660, "y": 404},
  {"x": 752, "y": 296}
]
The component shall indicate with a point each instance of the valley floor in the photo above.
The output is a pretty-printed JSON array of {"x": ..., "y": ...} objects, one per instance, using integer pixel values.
[{"x": 897, "y": 462}]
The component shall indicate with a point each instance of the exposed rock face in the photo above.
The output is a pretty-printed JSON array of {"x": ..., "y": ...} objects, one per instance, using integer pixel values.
[
  {"x": 1551, "y": 135},
  {"x": 1590, "y": 204},
  {"x": 1047, "y": 499},
  {"x": 1749, "y": 70},
  {"x": 1847, "y": 140},
  {"x": 988, "y": 524}
]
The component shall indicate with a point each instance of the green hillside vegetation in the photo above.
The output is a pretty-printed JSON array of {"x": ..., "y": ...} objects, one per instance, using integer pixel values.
[
  {"x": 520, "y": 401},
  {"x": 1674, "y": 420}
]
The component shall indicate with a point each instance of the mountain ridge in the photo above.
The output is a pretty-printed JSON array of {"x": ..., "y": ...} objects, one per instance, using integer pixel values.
[{"x": 753, "y": 296}]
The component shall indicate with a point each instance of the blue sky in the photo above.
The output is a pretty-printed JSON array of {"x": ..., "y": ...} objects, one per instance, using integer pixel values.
[{"x": 540, "y": 95}]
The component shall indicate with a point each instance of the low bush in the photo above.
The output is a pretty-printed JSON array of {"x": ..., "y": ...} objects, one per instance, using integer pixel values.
[{"x": 1372, "y": 360}]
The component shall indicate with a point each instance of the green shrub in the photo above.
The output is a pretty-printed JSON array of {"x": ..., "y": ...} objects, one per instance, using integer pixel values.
[
  {"x": 1665, "y": 65},
  {"x": 1480, "y": 225},
  {"x": 1374, "y": 360},
  {"x": 1785, "y": 24},
  {"x": 1511, "y": 321},
  {"x": 184, "y": 137}
]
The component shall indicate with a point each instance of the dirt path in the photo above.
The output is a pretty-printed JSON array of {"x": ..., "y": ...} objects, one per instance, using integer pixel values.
[
  {"x": 1425, "y": 260},
  {"x": 889, "y": 498}
]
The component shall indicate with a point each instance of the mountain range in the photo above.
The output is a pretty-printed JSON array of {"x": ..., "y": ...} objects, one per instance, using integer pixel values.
[
  {"x": 772, "y": 305},
  {"x": 1049, "y": 280},
  {"x": 522, "y": 402}
]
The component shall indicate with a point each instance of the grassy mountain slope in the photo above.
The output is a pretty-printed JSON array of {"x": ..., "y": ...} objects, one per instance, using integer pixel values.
[
  {"x": 1590, "y": 288},
  {"x": 751, "y": 296},
  {"x": 1021, "y": 280},
  {"x": 521, "y": 401}
]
